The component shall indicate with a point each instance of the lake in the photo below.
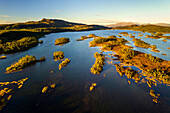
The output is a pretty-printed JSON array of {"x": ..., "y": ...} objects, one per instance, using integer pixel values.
[{"x": 71, "y": 94}]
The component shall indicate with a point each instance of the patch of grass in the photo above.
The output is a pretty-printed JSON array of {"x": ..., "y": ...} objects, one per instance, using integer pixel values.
[
  {"x": 58, "y": 55},
  {"x": 63, "y": 40}
]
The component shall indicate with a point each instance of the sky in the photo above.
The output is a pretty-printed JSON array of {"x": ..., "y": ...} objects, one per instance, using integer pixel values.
[{"x": 102, "y": 12}]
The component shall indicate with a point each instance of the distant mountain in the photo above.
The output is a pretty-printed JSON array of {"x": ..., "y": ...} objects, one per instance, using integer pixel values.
[
  {"x": 121, "y": 24},
  {"x": 163, "y": 24},
  {"x": 11, "y": 32},
  {"x": 44, "y": 23}
]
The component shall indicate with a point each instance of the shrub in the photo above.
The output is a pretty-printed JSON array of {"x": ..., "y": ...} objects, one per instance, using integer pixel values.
[
  {"x": 92, "y": 35},
  {"x": 98, "y": 66},
  {"x": 22, "y": 63},
  {"x": 140, "y": 43},
  {"x": 58, "y": 55},
  {"x": 152, "y": 58},
  {"x": 127, "y": 53},
  {"x": 19, "y": 45},
  {"x": 62, "y": 41},
  {"x": 64, "y": 63}
]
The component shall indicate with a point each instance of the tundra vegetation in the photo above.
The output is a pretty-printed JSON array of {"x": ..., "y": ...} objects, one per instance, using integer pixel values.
[
  {"x": 86, "y": 37},
  {"x": 19, "y": 45},
  {"x": 8, "y": 89},
  {"x": 154, "y": 96},
  {"x": 143, "y": 44},
  {"x": 23, "y": 62},
  {"x": 16, "y": 37},
  {"x": 98, "y": 65},
  {"x": 58, "y": 55},
  {"x": 3, "y": 57},
  {"x": 47, "y": 89},
  {"x": 61, "y": 41},
  {"x": 153, "y": 67},
  {"x": 92, "y": 86},
  {"x": 64, "y": 63},
  {"x": 146, "y": 28}
]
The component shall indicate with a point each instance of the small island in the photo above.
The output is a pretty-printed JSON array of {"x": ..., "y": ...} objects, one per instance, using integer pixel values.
[
  {"x": 58, "y": 55},
  {"x": 61, "y": 41},
  {"x": 143, "y": 44},
  {"x": 64, "y": 63},
  {"x": 86, "y": 37},
  {"x": 2, "y": 57},
  {"x": 22, "y": 63},
  {"x": 19, "y": 45},
  {"x": 98, "y": 65},
  {"x": 154, "y": 67}
]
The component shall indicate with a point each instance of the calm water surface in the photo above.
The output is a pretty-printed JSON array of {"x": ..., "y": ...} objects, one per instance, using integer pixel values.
[{"x": 112, "y": 94}]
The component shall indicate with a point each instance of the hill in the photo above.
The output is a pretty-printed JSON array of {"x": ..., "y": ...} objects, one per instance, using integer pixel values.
[
  {"x": 146, "y": 28},
  {"x": 22, "y": 36},
  {"x": 10, "y": 32},
  {"x": 121, "y": 24}
]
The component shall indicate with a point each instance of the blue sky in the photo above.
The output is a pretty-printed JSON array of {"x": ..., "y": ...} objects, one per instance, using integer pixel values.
[{"x": 86, "y": 11}]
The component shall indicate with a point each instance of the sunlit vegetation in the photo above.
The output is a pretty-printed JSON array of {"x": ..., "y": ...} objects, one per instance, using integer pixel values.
[
  {"x": 2, "y": 57},
  {"x": 152, "y": 58},
  {"x": 44, "y": 90},
  {"x": 157, "y": 37},
  {"x": 58, "y": 55},
  {"x": 22, "y": 63},
  {"x": 37, "y": 29},
  {"x": 52, "y": 85},
  {"x": 98, "y": 66},
  {"x": 160, "y": 74},
  {"x": 154, "y": 96},
  {"x": 145, "y": 62},
  {"x": 5, "y": 96},
  {"x": 42, "y": 59},
  {"x": 19, "y": 45},
  {"x": 119, "y": 35},
  {"x": 92, "y": 86},
  {"x": 40, "y": 41},
  {"x": 143, "y": 44},
  {"x": 63, "y": 40},
  {"x": 146, "y": 28},
  {"x": 130, "y": 73},
  {"x": 140, "y": 34},
  {"x": 92, "y": 35},
  {"x": 7, "y": 90},
  {"x": 132, "y": 36},
  {"x": 109, "y": 42},
  {"x": 124, "y": 33},
  {"x": 164, "y": 40},
  {"x": 63, "y": 63},
  {"x": 165, "y": 37},
  {"x": 86, "y": 37},
  {"x": 83, "y": 38},
  {"x": 126, "y": 53},
  {"x": 154, "y": 48},
  {"x": 47, "y": 89},
  {"x": 140, "y": 43},
  {"x": 164, "y": 54},
  {"x": 153, "y": 37}
]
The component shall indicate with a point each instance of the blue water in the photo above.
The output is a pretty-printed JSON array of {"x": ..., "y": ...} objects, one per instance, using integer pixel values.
[{"x": 112, "y": 93}]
